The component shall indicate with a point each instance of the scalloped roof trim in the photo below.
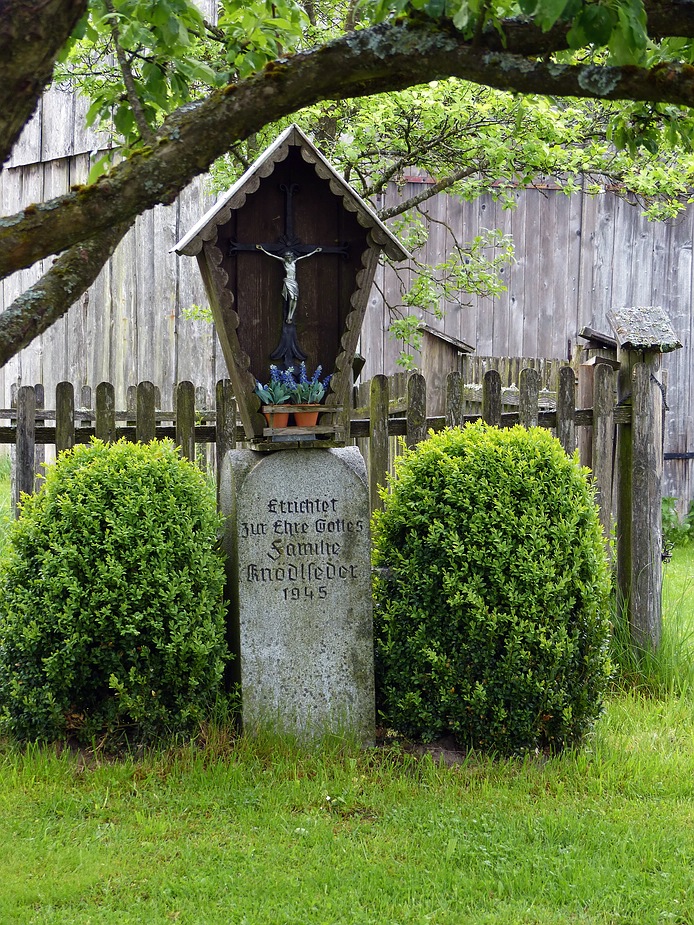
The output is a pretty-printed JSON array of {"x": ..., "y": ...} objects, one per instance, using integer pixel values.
[{"x": 220, "y": 213}]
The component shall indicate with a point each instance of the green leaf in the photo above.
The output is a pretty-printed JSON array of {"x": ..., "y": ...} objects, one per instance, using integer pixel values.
[
  {"x": 548, "y": 12},
  {"x": 592, "y": 26}
]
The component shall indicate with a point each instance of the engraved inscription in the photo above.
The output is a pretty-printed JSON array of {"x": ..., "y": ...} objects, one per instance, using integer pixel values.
[{"x": 304, "y": 549}]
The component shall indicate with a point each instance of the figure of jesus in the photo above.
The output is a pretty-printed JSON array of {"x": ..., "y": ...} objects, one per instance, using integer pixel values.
[{"x": 290, "y": 287}]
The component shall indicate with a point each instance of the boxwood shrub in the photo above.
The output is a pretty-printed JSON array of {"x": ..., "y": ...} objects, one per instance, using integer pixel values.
[
  {"x": 492, "y": 595},
  {"x": 111, "y": 612}
]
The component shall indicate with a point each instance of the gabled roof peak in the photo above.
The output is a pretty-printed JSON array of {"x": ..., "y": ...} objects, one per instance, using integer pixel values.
[{"x": 220, "y": 213}]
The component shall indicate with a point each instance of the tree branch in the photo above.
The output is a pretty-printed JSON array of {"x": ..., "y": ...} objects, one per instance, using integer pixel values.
[
  {"x": 146, "y": 133},
  {"x": 36, "y": 309},
  {"x": 384, "y": 58},
  {"x": 431, "y": 190},
  {"x": 30, "y": 40}
]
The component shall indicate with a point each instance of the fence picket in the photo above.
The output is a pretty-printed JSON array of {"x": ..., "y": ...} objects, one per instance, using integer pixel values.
[
  {"x": 566, "y": 408},
  {"x": 185, "y": 419},
  {"x": 378, "y": 439},
  {"x": 145, "y": 421},
  {"x": 529, "y": 398},
  {"x": 226, "y": 419},
  {"x": 39, "y": 449},
  {"x": 603, "y": 441},
  {"x": 64, "y": 416},
  {"x": 25, "y": 445},
  {"x": 105, "y": 425},
  {"x": 416, "y": 410},
  {"x": 491, "y": 397},
  {"x": 201, "y": 453},
  {"x": 455, "y": 400}
]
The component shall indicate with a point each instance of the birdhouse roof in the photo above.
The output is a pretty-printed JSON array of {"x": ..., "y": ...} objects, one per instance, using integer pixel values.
[
  {"x": 643, "y": 328},
  {"x": 234, "y": 198}
]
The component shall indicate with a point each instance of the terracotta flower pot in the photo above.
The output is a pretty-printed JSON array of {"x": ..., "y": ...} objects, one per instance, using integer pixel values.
[
  {"x": 306, "y": 418},
  {"x": 276, "y": 418}
]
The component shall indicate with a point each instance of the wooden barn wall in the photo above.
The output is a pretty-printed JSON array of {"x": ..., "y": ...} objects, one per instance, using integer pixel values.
[{"x": 575, "y": 258}]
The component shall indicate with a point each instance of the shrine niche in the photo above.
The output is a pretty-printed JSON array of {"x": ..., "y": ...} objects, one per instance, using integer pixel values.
[{"x": 288, "y": 256}]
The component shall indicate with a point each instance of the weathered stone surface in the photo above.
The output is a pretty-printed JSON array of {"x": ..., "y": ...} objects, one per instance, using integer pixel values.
[{"x": 298, "y": 543}]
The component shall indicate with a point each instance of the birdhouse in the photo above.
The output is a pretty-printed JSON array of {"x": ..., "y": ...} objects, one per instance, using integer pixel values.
[
  {"x": 288, "y": 256},
  {"x": 645, "y": 329}
]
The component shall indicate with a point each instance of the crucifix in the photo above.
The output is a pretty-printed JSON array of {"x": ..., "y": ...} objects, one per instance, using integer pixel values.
[{"x": 288, "y": 249}]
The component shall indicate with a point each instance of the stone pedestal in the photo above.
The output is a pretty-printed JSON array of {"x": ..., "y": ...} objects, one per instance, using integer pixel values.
[{"x": 297, "y": 539}]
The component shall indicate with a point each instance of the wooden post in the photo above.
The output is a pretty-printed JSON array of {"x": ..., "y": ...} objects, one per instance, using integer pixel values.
[
  {"x": 201, "y": 451},
  {"x": 646, "y": 486},
  {"x": 105, "y": 426},
  {"x": 529, "y": 400},
  {"x": 378, "y": 439},
  {"x": 25, "y": 444},
  {"x": 455, "y": 400},
  {"x": 416, "y": 410},
  {"x": 627, "y": 359},
  {"x": 225, "y": 424},
  {"x": 39, "y": 449},
  {"x": 491, "y": 398},
  {"x": 64, "y": 416},
  {"x": 586, "y": 391},
  {"x": 603, "y": 442},
  {"x": 145, "y": 425},
  {"x": 566, "y": 409},
  {"x": 226, "y": 418},
  {"x": 185, "y": 419}
]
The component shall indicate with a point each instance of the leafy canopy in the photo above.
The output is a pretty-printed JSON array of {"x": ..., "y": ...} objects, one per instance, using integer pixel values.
[
  {"x": 386, "y": 87},
  {"x": 138, "y": 60}
]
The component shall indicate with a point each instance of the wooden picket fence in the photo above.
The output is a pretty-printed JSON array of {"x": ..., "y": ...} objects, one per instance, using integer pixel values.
[
  {"x": 625, "y": 455},
  {"x": 375, "y": 427}
]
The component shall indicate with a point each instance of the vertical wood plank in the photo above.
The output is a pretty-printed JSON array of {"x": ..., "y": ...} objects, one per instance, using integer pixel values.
[
  {"x": 529, "y": 402},
  {"x": 39, "y": 449},
  {"x": 603, "y": 442},
  {"x": 378, "y": 439},
  {"x": 106, "y": 412},
  {"x": 416, "y": 410},
  {"x": 646, "y": 533},
  {"x": 185, "y": 419},
  {"x": 202, "y": 452},
  {"x": 225, "y": 423},
  {"x": 491, "y": 398},
  {"x": 64, "y": 416},
  {"x": 145, "y": 425},
  {"x": 624, "y": 472},
  {"x": 586, "y": 388},
  {"x": 566, "y": 409},
  {"x": 85, "y": 404},
  {"x": 131, "y": 405},
  {"x": 14, "y": 388},
  {"x": 25, "y": 444},
  {"x": 455, "y": 400}
]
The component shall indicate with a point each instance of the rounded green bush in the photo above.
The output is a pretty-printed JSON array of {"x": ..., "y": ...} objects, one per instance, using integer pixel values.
[
  {"x": 111, "y": 613},
  {"x": 491, "y": 605}
]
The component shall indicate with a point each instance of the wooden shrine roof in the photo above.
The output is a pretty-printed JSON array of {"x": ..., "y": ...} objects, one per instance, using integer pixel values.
[{"x": 206, "y": 228}]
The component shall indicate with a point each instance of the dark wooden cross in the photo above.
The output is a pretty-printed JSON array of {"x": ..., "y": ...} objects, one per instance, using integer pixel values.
[{"x": 289, "y": 249}]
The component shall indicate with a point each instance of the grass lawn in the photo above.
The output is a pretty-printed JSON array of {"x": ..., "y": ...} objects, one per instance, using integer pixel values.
[{"x": 240, "y": 833}]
